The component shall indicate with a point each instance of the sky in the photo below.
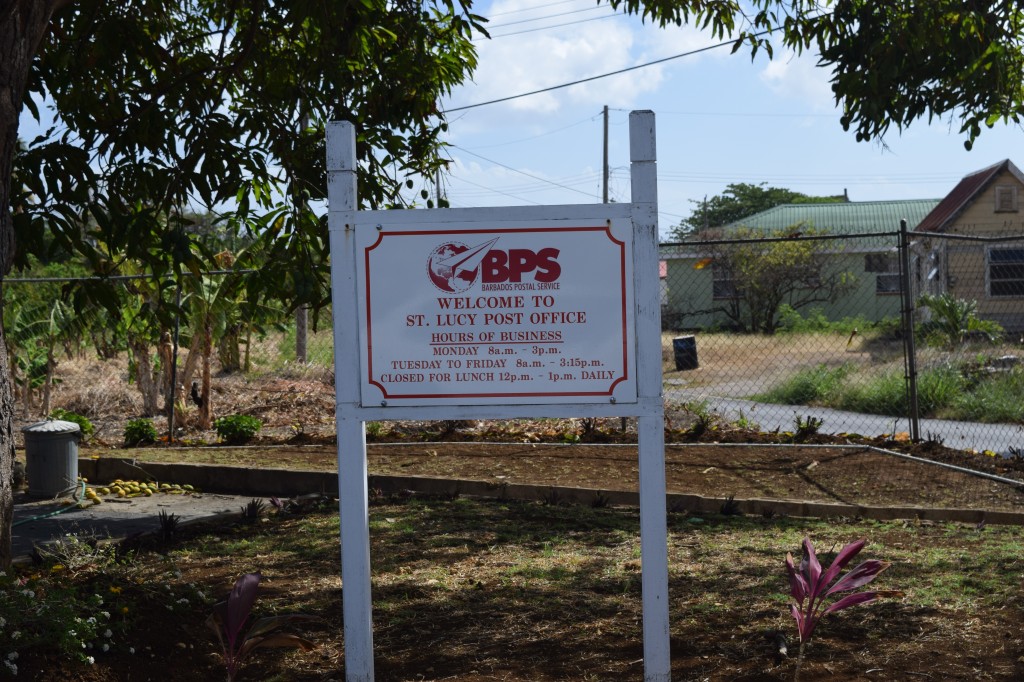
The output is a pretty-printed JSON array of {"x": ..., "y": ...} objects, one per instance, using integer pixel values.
[{"x": 721, "y": 118}]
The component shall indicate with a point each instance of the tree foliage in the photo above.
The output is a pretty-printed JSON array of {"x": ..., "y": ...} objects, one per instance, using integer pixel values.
[
  {"x": 763, "y": 270},
  {"x": 738, "y": 201},
  {"x": 892, "y": 62},
  {"x": 159, "y": 108},
  {"x": 165, "y": 106}
]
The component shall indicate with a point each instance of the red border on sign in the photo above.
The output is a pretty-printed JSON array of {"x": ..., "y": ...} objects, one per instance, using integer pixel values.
[{"x": 554, "y": 394}]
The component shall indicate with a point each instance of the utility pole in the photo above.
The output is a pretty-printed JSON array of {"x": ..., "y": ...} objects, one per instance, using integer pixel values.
[
  {"x": 604, "y": 193},
  {"x": 624, "y": 424}
]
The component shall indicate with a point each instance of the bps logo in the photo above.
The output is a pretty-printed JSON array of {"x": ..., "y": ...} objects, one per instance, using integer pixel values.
[{"x": 454, "y": 267}]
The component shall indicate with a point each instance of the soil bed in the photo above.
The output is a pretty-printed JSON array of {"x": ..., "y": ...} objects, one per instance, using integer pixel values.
[{"x": 857, "y": 475}]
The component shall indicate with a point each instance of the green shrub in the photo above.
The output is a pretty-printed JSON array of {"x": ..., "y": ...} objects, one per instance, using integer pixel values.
[
  {"x": 140, "y": 432},
  {"x": 811, "y": 385},
  {"x": 237, "y": 428},
  {"x": 955, "y": 321},
  {"x": 995, "y": 399},
  {"x": 83, "y": 422},
  {"x": 885, "y": 395},
  {"x": 815, "y": 321}
]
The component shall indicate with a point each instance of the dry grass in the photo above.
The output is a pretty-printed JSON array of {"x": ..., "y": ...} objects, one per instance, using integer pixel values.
[{"x": 471, "y": 591}]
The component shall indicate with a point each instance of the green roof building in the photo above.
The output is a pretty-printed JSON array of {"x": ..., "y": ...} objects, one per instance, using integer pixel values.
[{"x": 855, "y": 242}]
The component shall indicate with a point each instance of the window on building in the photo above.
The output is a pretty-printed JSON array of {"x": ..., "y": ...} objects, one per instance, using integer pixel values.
[
  {"x": 1006, "y": 272},
  {"x": 1006, "y": 199},
  {"x": 886, "y": 268},
  {"x": 722, "y": 284}
]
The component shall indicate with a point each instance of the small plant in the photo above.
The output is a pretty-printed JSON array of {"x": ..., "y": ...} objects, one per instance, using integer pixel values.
[
  {"x": 168, "y": 524},
  {"x": 588, "y": 425},
  {"x": 955, "y": 320},
  {"x": 806, "y": 427},
  {"x": 253, "y": 510},
  {"x": 140, "y": 432},
  {"x": 704, "y": 419},
  {"x": 600, "y": 500},
  {"x": 236, "y": 429},
  {"x": 730, "y": 507},
  {"x": 78, "y": 553},
  {"x": 83, "y": 422},
  {"x": 229, "y": 618},
  {"x": 552, "y": 497},
  {"x": 810, "y": 588},
  {"x": 375, "y": 430}
]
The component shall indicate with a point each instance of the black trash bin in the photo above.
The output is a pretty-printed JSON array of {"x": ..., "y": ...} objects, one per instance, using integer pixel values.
[{"x": 685, "y": 350}]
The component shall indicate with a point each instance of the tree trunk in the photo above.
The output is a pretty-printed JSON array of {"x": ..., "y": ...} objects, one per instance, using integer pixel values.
[
  {"x": 206, "y": 409},
  {"x": 166, "y": 361},
  {"x": 301, "y": 333},
  {"x": 51, "y": 368},
  {"x": 228, "y": 352},
  {"x": 145, "y": 377},
  {"x": 23, "y": 24}
]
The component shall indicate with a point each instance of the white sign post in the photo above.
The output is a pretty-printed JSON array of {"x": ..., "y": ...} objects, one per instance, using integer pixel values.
[{"x": 496, "y": 313}]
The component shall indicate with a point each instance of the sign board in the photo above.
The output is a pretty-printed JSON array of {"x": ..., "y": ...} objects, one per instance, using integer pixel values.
[
  {"x": 501, "y": 312},
  {"x": 496, "y": 313}
]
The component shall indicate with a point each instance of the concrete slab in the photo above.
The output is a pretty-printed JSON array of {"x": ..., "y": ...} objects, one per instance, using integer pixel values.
[{"x": 38, "y": 522}]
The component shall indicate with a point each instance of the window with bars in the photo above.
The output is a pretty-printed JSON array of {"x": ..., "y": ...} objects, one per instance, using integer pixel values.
[
  {"x": 723, "y": 286},
  {"x": 1006, "y": 272},
  {"x": 886, "y": 268}
]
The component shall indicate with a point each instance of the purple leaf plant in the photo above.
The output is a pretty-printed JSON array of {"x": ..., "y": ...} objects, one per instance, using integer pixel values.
[
  {"x": 229, "y": 618},
  {"x": 813, "y": 589}
]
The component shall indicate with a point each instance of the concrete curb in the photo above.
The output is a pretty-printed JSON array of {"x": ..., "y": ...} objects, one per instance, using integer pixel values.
[{"x": 289, "y": 483}]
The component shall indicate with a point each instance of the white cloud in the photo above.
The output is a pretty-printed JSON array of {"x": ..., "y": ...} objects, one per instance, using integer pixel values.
[
  {"x": 798, "y": 77},
  {"x": 541, "y": 59}
]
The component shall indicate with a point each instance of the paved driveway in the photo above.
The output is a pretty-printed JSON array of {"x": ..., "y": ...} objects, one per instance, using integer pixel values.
[{"x": 955, "y": 434}]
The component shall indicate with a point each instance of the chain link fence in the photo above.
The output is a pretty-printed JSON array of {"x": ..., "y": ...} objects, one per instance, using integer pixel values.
[
  {"x": 800, "y": 333},
  {"x": 220, "y": 355},
  {"x": 886, "y": 333}
]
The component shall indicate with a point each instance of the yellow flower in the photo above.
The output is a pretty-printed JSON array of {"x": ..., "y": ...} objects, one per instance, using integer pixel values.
[
  {"x": 124, "y": 610},
  {"x": 56, "y": 568},
  {"x": 115, "y": 590}
]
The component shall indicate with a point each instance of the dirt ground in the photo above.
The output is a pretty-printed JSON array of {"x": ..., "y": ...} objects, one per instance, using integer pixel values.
[
  {"x": 503, "y": 631},
  {"x": 851, "y": 474}
]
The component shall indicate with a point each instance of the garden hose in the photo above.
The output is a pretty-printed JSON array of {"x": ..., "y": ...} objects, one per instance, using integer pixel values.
[{"x": 47, "y": 515}]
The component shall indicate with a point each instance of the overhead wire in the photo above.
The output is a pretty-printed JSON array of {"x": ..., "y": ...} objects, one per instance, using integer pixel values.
[
  {"x": 529, "y": 175},
  {"x": 539, "y": 135},
  {"x": 550, "y": 16},
  {"x": 544, "y": 28},
  {"x": 589, "y": 79},
  {"x": 542, "y": 5}
]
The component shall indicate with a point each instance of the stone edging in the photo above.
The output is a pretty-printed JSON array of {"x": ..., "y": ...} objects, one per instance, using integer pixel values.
[{"x": 290, "y": 483}]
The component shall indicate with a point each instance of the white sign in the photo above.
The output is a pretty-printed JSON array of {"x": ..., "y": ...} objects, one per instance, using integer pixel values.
[{"x": 496, "y": 313}]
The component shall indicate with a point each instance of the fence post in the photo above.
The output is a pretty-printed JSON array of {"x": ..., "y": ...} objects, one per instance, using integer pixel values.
[{"x": 909, "y": 347}]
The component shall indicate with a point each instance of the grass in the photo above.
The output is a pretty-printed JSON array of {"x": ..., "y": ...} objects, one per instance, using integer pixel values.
[
  {"x": 553, "y": 588},
  {"x": 943, "y": 391}
]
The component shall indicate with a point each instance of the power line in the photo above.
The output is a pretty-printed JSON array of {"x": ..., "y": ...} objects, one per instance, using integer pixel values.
[
  {"x": 543, "y": 5},
  {"x": 604, "y": 75},
  {"x": 545, "y": 28},
  {"x": 539, "y": 135},
  {"x": 516, "y": 170},
  {"x": 548, "y": 16},
  {"x": 496, "y": 191}
]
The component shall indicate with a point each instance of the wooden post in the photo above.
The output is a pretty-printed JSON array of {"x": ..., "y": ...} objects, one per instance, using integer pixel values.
[
  {"x": 651, "y": 424},
  {"x": 353, "y": 233},
  {"x": 353, "y": 498}
]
